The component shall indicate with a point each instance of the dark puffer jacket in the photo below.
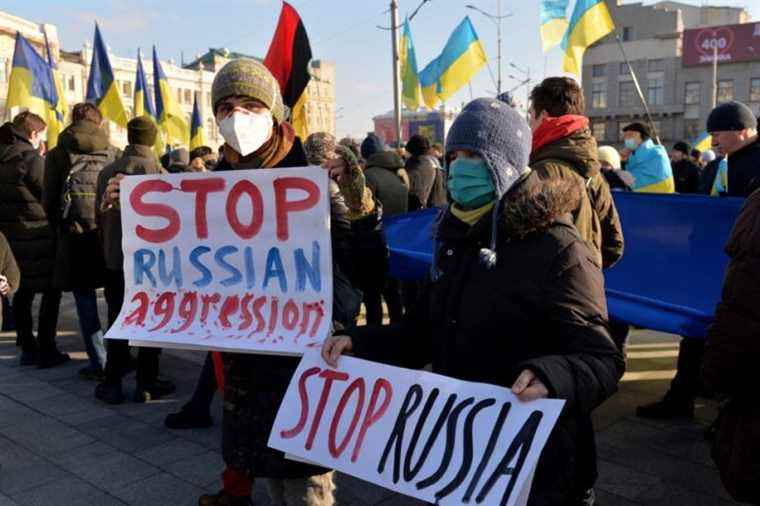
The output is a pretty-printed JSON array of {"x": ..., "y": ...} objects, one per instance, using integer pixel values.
[
  {"x": 382, "y": 175},
  {"x": 542, "y": 307},
  {"x": 22, "y": 217},
  {"x": 422, "y": 172},
  {"x": 731, "y": 356},
  {"x": 255, "y": 384},
  {"x": 575, "y": 158},
  {"x": 744, "y": 171},
  {"x": 79, "y": 257}
]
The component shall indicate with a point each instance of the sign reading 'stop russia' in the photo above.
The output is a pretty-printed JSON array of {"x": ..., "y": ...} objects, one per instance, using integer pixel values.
[
  {"x": 735, "y": 43},
  {"x": 236, "y": 260}
]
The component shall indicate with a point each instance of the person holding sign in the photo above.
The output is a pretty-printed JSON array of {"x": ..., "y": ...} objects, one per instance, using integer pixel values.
[{"x": 515, "y": 297}]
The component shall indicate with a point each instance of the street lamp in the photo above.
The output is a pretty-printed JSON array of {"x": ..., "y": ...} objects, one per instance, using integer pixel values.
[{"x": 497, "y": 18}]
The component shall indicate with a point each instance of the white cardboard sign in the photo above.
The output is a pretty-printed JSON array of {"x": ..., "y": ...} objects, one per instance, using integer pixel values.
[
  {"x": 237, "y": 261},
  {"x": 428, "y": 436}
]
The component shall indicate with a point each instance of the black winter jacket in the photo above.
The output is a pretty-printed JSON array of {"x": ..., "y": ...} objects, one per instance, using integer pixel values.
[
  {"x": 686, "y": 175},
  {"x": 381, "y": 173},
  {"x": 22, "y": 217},
  {"x": 542, "y": 307},
  {"x": 255, "y": 384},
  {"x": 744, "y": 171},
  {"x": 422, "y": 171}
]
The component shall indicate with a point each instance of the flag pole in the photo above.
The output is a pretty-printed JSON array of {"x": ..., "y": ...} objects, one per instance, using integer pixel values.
[
  {"x": 396, "y": 72},
  {"x": 638, "y": 90}
]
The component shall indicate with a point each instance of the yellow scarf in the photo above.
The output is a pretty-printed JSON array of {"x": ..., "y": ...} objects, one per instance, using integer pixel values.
[{"x": 472, "y": 216}]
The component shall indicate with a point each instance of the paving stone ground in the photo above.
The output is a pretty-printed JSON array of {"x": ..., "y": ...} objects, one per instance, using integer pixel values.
[{"x": 59, "y": 446}]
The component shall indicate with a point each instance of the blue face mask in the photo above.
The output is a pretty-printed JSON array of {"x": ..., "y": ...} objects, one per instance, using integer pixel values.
[
  {"x": 470, "y": 183},
  {"x": 631, "y": 144}
]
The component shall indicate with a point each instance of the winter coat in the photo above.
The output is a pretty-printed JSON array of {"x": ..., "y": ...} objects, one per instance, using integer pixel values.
[
  {"x": 707, "y": 178},
  {"x": 79, "y": 257},
  {"x": 574, "y": 158},
  {"x": 255, "y": 384},
  {"x": 136, "y": 160},
  {"x": 381, "y": 172},
  {"x": 686, "y": 175},
  {"x": 744, "y": 171},
  {"x": 618, "y": 179},
  {"x": 22, "y": 216},
  {"x": 542, "y": 308},
  {"x": 650, "y": 167},
  {"x": 422, "y": 172},
  {"x": 9, "y": 269},
  {"x": 731, "y": 356}
]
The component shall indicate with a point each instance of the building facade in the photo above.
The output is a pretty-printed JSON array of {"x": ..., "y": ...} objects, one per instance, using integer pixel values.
[
  {"x": 185, "y": 81},
  {"x": 678, "y": 92},
  {"x": 432, "y": 124}
]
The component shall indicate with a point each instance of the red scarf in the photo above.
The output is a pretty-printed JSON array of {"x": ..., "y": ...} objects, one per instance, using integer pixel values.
[{"x": 553, "y": 129}]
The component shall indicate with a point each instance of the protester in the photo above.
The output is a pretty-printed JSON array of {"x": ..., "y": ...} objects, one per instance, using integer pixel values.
[
  {"x": 179, "y": 161},
  {"x": 436, "y": 150},
  {"x": 707, "y": 157},
  {"x": 9, "y": 272},
  {"x": 537, "y": 279},
  {"x": 731, "y": 356},
  {"x": 564, "y": 148},
  {"x": 422, "y": 170},
  {"x": 709, "y": 174},
  {"x": 646, "y": 161},
  {"x": 202, "y": 159},
  {"x": 685, "y": 171},
  {"x": 696, "y": 157},
  {"x": 138, "y": 159},
  {"x": 31, "y": 239},
  {"x": 351, "y": 144},
  {"x": 617, "y": 178},
  {"x": 733, "y": 128}
]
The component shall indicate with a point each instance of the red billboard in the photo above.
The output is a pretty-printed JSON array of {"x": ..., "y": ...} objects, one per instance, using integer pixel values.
[{"x": 735, "y": 43}]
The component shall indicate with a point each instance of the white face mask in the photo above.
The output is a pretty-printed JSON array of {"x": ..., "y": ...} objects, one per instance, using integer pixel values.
[
  {"x": 245, "y": 132},
  {"x": 37, "y": 141}
]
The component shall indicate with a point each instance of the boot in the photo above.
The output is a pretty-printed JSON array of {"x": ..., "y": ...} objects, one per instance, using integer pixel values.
[
  {"x": 154, "y": 391},
  {"x": 91, "y": 373},
  {"x": 667, "y": 408},
  {"x": 224, "y": 499},
  {"x": 52, "y": 358},
  {"x": 29, "y": 357},
  {"x": 189, "y": 418},
  {"x": 110, "y": 393}
]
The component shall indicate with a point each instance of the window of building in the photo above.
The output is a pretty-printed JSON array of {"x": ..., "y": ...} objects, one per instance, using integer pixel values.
[
  {"x": 655, "y": 91},
  {"x": 72, "y": 83},
  {"x": 126, "y": 88},
  {"x": 188, "y": 96},
  {"x": 692, "y": 128},
  {"x": 627, "y": 33},
  {"x": 725, "y": 90},
  {"x": 3, "y": 70},
  {"x": 599, "y": 70},
  {"x": 693, "y": 94},
  {"x": 754, "y": 89},
  {"x": 624, "y": 69},
  {"x": 599, "y": 94},
  {"x": 600, "y": 130},
  {"x": 657, "y": 124},
  {"x": 656, "y": 65},
  {"x": 627, "y": 94},
  {"x": 208, "y": 99},
  {"x": 179, "y": 95}
]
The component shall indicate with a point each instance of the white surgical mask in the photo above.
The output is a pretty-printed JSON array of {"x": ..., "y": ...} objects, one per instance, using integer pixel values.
[
  {"x": 245, "y": 132},
  {"x": 41, "y": 136}
]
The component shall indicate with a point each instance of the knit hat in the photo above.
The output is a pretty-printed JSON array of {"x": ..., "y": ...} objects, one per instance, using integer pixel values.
[
  {"x": 248, "y": 78},
  {"x": 142, "y": 130},
  {"x": 641, "y": 128},
  {"x": 418, "y": 145},
  {"x": 731, "y": 117},
  {"x": 610, "y": 155},
  {"x": 682, "y": 147},
  {"x": 319, "y": 147},
  {"x": 498, "y": 134},
  {"x": 371, "y": 145}
]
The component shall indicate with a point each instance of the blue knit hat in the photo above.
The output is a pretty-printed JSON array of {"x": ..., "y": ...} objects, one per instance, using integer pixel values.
[
  {"x": 497, "y": 133},
  {"x": 371, "y": 145}
]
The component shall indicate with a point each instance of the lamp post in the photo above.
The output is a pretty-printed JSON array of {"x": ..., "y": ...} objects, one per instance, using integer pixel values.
[
  {"x": 524, "y": 81},
  {"x": 496, "y": 18}
]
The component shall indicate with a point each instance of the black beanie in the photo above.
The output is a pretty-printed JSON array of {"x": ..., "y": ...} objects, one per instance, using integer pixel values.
[
  {"x": 682, "y": 147},
  {"x": 418, "y": 145},
  {"x": 641, "y": 128},
  {"x": 142, "y": 130},
  {"x": 731, "y": 117}
]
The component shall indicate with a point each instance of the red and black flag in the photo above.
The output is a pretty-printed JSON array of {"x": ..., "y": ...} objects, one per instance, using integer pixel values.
[{"x": 288, "y": 60}]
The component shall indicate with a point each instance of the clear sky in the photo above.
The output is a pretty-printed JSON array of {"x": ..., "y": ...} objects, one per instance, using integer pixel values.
[{"x": 343, "y": 31}]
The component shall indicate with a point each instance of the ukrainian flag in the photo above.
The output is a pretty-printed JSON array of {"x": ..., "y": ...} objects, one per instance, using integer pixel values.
[
  {"x": 462, "y": 58},
  {"x": 170, "y": 116},
  {"x": 55, "y": 125},
  {"x": 31, "y": 85},
  {"x": 591, "y": 20},
  {"x": 410, "y": 81},
  {"x": 102, "y": 88},
  {"x": 553, "y": 22},
  {"x": 703, "y": 142},
  {"x": 197, "y": 133},
  {"x": 144, "y": 104}
]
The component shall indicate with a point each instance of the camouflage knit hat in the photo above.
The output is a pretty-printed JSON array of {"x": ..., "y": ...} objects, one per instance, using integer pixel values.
[
  {"x": 319, "y": 146},
  {"x": 251, "y": 79}
]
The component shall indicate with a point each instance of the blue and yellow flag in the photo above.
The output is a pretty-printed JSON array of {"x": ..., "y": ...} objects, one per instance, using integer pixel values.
[
  {"x": 197, "y": 133},
  {"x": 703, "y": 142},
  {"x": 55, "y": 126},
  {"x": 144, "y": 103},
  {"x": 102, "y": 88},
  {"x": 170, "y": 117},
  {"x": 553, "y": 15},
  {"x": 31, "y": 85},
  {"x": 460, "y": 60},
  {"x": 411, "y": 94},
  {"x": 591, "y": 20}
]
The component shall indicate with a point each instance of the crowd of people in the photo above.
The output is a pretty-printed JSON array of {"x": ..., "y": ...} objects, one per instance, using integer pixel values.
[{"x": 527, "y": 226}]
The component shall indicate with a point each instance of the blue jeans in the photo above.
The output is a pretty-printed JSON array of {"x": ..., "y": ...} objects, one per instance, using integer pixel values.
[{"x": 86, "y": 301}]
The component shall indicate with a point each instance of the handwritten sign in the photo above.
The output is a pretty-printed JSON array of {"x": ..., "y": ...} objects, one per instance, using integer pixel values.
[
  {"x": 236, "y": 260},
  {"x": 421, "y": 434}
]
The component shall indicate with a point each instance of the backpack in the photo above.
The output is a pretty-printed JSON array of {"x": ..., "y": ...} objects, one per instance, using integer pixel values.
[{"x": 78, "y": 196}]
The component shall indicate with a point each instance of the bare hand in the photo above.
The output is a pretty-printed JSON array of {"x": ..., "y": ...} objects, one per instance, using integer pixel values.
[
  {"x": 528, "y": 387},
  {"x": 625, "y": 153},
  {"x": 112, "y": 190},
  {"x": 334, "y": 347},
  {"x": 5, "y": 288}
]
